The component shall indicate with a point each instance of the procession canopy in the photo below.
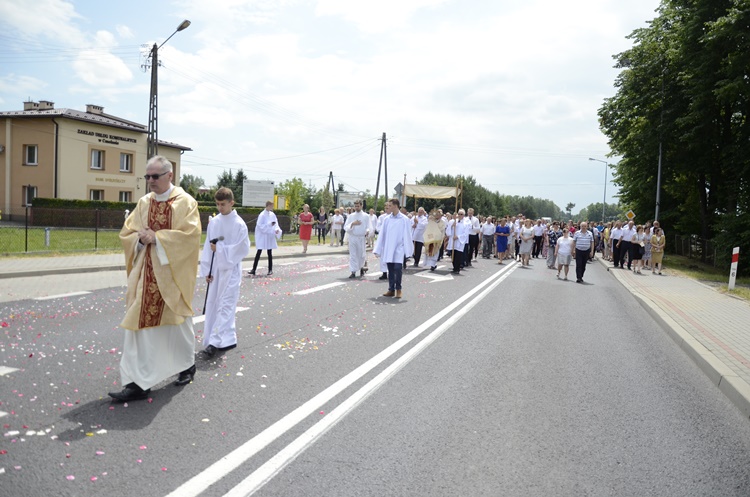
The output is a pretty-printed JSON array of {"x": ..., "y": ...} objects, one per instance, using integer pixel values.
[{"x": 425, "y": 191}]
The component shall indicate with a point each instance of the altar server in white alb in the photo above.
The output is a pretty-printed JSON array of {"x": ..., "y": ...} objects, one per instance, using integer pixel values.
[
  {"x": 266, "y": 232},
  {"x": 228, "y": 232},
  {"x": 357, "y": 228},
  {"x": 394, "y": 245}
]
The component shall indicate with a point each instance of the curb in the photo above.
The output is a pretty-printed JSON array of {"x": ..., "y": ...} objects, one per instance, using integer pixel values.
[
  {"x": 121, "y": 267},
  {"x": 732, "y": 386}
]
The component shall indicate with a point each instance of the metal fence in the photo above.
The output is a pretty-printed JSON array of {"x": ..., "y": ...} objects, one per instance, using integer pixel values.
[
  {"x": 694, "y": 247},
  {"x": 36, "y": 229}
]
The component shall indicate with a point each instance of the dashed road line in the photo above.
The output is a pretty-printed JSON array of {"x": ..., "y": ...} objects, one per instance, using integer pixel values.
[
  {"x": 201, "y": 318},
  {"x": 62, "y": 295},
  {"x": 324, "y": 269},
  {"x": 6, "y": 370},
  {"x": 319, "y": 288}
]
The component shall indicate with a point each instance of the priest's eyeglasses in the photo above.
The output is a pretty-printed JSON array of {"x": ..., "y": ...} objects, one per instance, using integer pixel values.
[{"x": 154, "y": 176}]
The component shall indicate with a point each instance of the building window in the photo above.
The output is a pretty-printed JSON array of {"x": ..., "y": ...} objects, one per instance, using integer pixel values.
[
  {"x": 126, "y": 163},
  {"x": 30, "y": 155},
  {"x": 97, "y": 159},
  {"x": 96, "y": 195},
  {"x": 29, "y": 194},
  {"x": 126, "y": 196}
]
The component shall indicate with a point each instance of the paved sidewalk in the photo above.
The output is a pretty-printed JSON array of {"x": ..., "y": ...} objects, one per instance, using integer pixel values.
[
  {"x": 17, "y": 267},
  {"x": 711, "y": 327}
]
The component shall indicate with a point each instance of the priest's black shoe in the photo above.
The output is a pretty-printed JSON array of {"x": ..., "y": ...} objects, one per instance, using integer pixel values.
[
  {"x": 208, "y": 352},
  {"x": 186, "y": 376},
  {"x": 228, "y": 347},
  {"x": 352, "y": 276},
  {"x": 384, "y": 277},
  {"x": 130, "y": 392}
]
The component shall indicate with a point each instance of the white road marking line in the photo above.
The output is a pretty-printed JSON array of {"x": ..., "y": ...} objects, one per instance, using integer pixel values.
[
  {"x": 72, "y": 294},
  {"x": 319, "y": 288},
  {"x": 200, "y": 319},
  {"x": 6, "y": 370},
  {"x": 436, "y": 277},
  {"x": 215, "y": 472},
  {"x": 273, "y": 466},
  {"x": 324, "y": 269},
  {"x": 286, "y": 263}
]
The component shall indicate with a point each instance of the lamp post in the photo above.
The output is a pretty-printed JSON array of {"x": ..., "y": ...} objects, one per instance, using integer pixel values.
[
  {"x": 604, "y": 202},
  {"x": 153, "y": 126}
]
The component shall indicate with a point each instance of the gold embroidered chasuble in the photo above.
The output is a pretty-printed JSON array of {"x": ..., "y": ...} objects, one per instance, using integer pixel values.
[{"x": 161, "y": 279}]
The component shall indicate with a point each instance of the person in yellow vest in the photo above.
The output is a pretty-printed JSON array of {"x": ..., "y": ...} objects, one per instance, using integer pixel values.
[{"x": 161, "y": 239}]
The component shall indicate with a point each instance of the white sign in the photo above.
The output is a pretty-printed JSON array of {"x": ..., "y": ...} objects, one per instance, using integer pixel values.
[
  {"x": 257, "y": 193},
  {"x": 347, "y": 199},
  {"x": 733, "y": 270}
]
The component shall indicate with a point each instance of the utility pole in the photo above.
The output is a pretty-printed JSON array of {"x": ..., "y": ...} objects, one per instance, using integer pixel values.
[
  {"x": 332, "y": 186},
  {"x": 661, "y": 135},
  {"x": 385, "y": 164},
  {"x": 153, "y": 112},
  {"x": 383, "y": 155}
]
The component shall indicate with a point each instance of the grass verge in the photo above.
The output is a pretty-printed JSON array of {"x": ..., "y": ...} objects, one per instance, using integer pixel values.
[{"x": 706, "y": 273}]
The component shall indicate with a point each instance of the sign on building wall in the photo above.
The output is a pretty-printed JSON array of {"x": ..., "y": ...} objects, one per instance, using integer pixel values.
[{"x": 256, "y": 193}]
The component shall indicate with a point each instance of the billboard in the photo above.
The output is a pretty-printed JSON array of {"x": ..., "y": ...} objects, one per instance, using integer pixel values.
[
  {"x": 256, "y": 193},
  {"x": 346, "y": 199}
]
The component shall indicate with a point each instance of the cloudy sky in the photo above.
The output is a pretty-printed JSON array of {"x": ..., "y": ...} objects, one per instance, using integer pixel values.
[{"x": 506, "y": 91}]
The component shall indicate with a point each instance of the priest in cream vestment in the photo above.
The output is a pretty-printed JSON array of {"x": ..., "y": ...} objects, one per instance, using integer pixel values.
[{"x": 161, "y": 239}]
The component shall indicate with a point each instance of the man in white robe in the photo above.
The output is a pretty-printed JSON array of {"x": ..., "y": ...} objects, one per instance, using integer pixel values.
[
  {"x": 357, "y": 227},
  {"x": 393, "y": 246},
  {"x": 266, "y": 231},
  {"x": 373, "y": 224},
  {"x": 161, "y": 239},
  {"x": 457, "y": 232},
  {"x": 419, "y": 226},
  {"x": 226, "y": 245},
  {"x": 378, "y": 228}
]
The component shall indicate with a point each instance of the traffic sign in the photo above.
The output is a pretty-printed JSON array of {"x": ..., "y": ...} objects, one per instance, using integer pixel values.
[{"x": 630, "y": 215}]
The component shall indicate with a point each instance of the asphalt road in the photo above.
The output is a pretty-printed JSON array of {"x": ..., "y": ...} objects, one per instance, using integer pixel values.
[{"x": 501, "y": 381}]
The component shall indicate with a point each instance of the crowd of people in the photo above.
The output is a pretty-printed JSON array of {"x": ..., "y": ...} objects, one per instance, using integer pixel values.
[
  {"x": 462, "y": 235},
  {"x": 161, "y": 243}
]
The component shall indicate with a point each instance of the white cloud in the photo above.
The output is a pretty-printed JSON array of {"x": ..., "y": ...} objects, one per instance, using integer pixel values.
[
  {"x": 14, "y": 88},
  {"x": 124, "y": 32},
  {"x": 98, "y": 67},
  {"x": 50, "y": 19},
  {"x": 374, "y": 17}
]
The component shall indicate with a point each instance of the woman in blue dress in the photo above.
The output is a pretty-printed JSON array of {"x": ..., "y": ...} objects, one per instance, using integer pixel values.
[{"x": 502, "y": 233}]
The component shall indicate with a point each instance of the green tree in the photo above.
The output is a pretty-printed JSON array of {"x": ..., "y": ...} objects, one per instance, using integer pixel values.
[
  {"x": 233, "y": 182},
  {"x": 191, "y": 184},
  {"x": 569, "y": 209},
  {"x": 683, "y": 91},
  {"x": 296, "y": 193}
]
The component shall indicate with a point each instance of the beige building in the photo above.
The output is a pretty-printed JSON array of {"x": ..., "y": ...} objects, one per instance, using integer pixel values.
[{"x": 71, "y": 154}]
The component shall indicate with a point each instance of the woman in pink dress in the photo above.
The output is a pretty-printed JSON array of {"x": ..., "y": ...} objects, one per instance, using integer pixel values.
[{"x": 305, "y": 226}]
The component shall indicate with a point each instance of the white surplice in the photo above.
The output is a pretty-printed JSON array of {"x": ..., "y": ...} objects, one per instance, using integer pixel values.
[
  {"x": 356, "y": 234},
  {"x": 219, "y": 329},
  {"x": 395, "y": 242},
  {"x": 266, "y": 229}
]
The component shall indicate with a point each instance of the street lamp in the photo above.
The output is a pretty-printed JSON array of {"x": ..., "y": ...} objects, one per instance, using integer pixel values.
[
  {"x": 604, "y": 203},
  {"x": 153, "y": 133}
]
